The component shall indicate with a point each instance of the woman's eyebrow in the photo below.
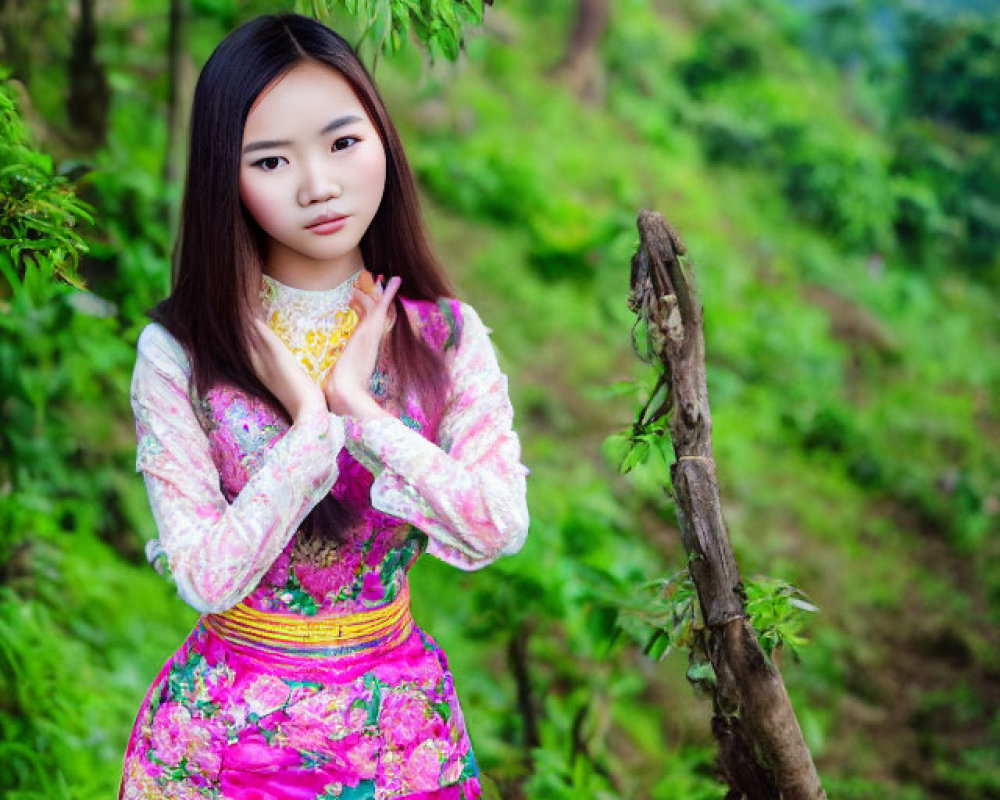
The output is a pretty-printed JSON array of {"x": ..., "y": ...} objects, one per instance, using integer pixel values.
[{"x": 339, "y": 122}]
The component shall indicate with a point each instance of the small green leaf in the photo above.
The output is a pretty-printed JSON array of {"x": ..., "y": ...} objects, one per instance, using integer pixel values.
[
  {"x": 701, "y": 673},
  {"x": 799, "y": 603}
]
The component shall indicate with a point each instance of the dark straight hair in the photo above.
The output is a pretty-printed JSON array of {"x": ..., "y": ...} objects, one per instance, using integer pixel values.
[{"x": 219, "y": 253}]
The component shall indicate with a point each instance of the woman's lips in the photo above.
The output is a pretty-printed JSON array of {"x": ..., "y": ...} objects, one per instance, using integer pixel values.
[{"x": 327, "y": 226}]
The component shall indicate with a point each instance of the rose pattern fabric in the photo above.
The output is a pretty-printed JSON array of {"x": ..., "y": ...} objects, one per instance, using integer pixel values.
[{"x": 215, "y": 724}]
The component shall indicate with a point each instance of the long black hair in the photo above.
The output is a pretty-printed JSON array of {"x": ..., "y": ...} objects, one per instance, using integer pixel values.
[{"x": 219, "y": 253}]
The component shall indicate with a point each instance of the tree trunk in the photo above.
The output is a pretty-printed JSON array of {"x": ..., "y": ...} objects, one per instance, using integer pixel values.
[
  {"x": 89, "y": 94},
  {"x": 172, "y": 166},
  {"x": 752, "y": 708},
  {"x": 579, "y": 67},
  {"x": 15, "y": 38}
]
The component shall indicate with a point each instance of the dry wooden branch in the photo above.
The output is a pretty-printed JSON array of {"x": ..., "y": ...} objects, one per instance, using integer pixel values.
[{"x": 753, "y": 713}]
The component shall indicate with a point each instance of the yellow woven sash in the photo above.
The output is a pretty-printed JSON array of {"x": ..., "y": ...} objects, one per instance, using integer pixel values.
[{"x": 322, "y": 635}]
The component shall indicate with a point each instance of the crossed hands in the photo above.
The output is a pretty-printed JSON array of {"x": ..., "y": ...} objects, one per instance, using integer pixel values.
[{"x": 345, "y": 389}]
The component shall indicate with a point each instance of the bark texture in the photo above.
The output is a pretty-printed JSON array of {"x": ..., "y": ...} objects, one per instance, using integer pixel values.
[{"x": 753, "y": 714}]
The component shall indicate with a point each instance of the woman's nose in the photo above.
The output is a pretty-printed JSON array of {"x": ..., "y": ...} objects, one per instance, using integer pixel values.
[{"x": 319, "y": 185}]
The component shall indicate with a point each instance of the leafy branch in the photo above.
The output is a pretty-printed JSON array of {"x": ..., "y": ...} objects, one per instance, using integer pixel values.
[
  {"x": 663, "y": 616},
  {"x": 438, "y": 24},
  {"x": 38, "y": 208}
]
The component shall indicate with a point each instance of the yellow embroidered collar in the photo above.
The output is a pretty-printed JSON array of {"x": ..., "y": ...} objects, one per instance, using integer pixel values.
[{"x": 314, "y": 324}]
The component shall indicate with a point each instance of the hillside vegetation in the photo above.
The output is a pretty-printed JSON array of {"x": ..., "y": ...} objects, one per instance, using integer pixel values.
[{"x": 841, "y": 206}]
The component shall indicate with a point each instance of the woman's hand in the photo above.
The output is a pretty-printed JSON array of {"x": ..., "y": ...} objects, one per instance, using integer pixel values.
[
  {"x": 346, "y": 387},
  {"x": 280, "y": 371}
]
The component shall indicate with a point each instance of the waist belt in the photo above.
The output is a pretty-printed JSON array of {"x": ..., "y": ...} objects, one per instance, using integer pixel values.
[{"x": 322, "y": 635}]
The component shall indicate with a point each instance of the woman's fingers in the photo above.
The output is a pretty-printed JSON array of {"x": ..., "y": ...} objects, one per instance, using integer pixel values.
[
  {"x": 279, "y": 371},
  {"x": 365, "y": 282},
  {"x": 390, "y": 291},
  {"x": 351, "y": 376},
  {"x": 361, "y": 302},
  {"x": 375, "y": 302},
  {"x": 261, "y": 338},
  {"x": 265, "y": 331}
]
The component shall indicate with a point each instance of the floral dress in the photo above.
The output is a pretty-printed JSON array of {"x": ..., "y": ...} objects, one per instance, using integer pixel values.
[{"x": 305, "y": 677}]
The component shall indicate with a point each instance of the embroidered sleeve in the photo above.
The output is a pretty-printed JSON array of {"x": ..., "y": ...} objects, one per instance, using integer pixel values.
[
  {"x": 217, "y": 551},
  {"x": 468, "y": 494}
]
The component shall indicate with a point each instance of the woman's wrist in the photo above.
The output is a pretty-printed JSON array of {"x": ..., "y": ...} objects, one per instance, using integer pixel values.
[
  {"x": 308, "y": 409},
  {"x": 364, "y": 407},
  {"x": 357, "y": 404}
]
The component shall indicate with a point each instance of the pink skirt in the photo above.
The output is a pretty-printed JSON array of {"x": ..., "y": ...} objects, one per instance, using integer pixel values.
[{"x": 285, "y": 707}]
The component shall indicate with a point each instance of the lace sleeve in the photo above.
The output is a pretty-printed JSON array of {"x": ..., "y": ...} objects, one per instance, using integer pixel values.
[
  {"x": 217, "y": 551},
  {"x": 468, "y": 494}
]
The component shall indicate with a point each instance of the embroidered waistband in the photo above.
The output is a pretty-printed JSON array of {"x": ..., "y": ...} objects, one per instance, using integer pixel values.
[{"x": 322, "y": 635}]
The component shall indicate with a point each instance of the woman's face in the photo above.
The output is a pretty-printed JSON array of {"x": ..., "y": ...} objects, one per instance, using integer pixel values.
[{"x": 311, "y": 153}]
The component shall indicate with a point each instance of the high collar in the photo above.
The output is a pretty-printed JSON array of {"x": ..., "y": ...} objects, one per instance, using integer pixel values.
[{"x": 316, "y": 304}]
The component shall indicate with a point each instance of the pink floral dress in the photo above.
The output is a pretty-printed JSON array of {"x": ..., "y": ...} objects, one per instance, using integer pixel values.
[{"x": 230, "y": 483}]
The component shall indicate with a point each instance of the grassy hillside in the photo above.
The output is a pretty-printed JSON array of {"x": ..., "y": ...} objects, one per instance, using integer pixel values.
[{"x": 853, "y": 361}]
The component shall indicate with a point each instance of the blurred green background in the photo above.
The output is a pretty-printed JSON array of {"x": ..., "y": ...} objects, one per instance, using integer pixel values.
[{"x": 834, "y": 170}]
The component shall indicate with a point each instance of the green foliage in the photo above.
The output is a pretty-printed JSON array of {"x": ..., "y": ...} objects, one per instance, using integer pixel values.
[
  {"x": 387, "y": 24},
  {"x": 663, "y": 616},
  {"x": 128, "y": 258},
  {"x": 846, "y": 32},
  {"x": 775, "y": 608},
  {"x": 948, "y": 196},
  {"x": 946, "y": 166},
  {"x": 53, "y": 350},
  {"x": 953, "y": 68},
  {"x": 66, "y": 457},
  {"x": 730, "y": 43},
  {"x": 38, "y": 209},
  {"x": 58, "y": 719},
  {"x": 832, "y": 177},
  {"x": 857, "y": 459},
  {"x": 642, "y": 440},
  {"x": 484, "y": 178},
  {"x": 468, "y": 164},
  {"x": 923, "y": 189}
]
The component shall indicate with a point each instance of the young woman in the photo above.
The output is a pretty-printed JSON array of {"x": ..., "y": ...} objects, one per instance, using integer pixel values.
[{"x": 305, "y": 434}]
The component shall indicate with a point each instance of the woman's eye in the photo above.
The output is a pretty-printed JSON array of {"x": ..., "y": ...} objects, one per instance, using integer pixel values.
[
  {"x": 343, "y": 139},
  {"x": 269, "y": 164}
]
